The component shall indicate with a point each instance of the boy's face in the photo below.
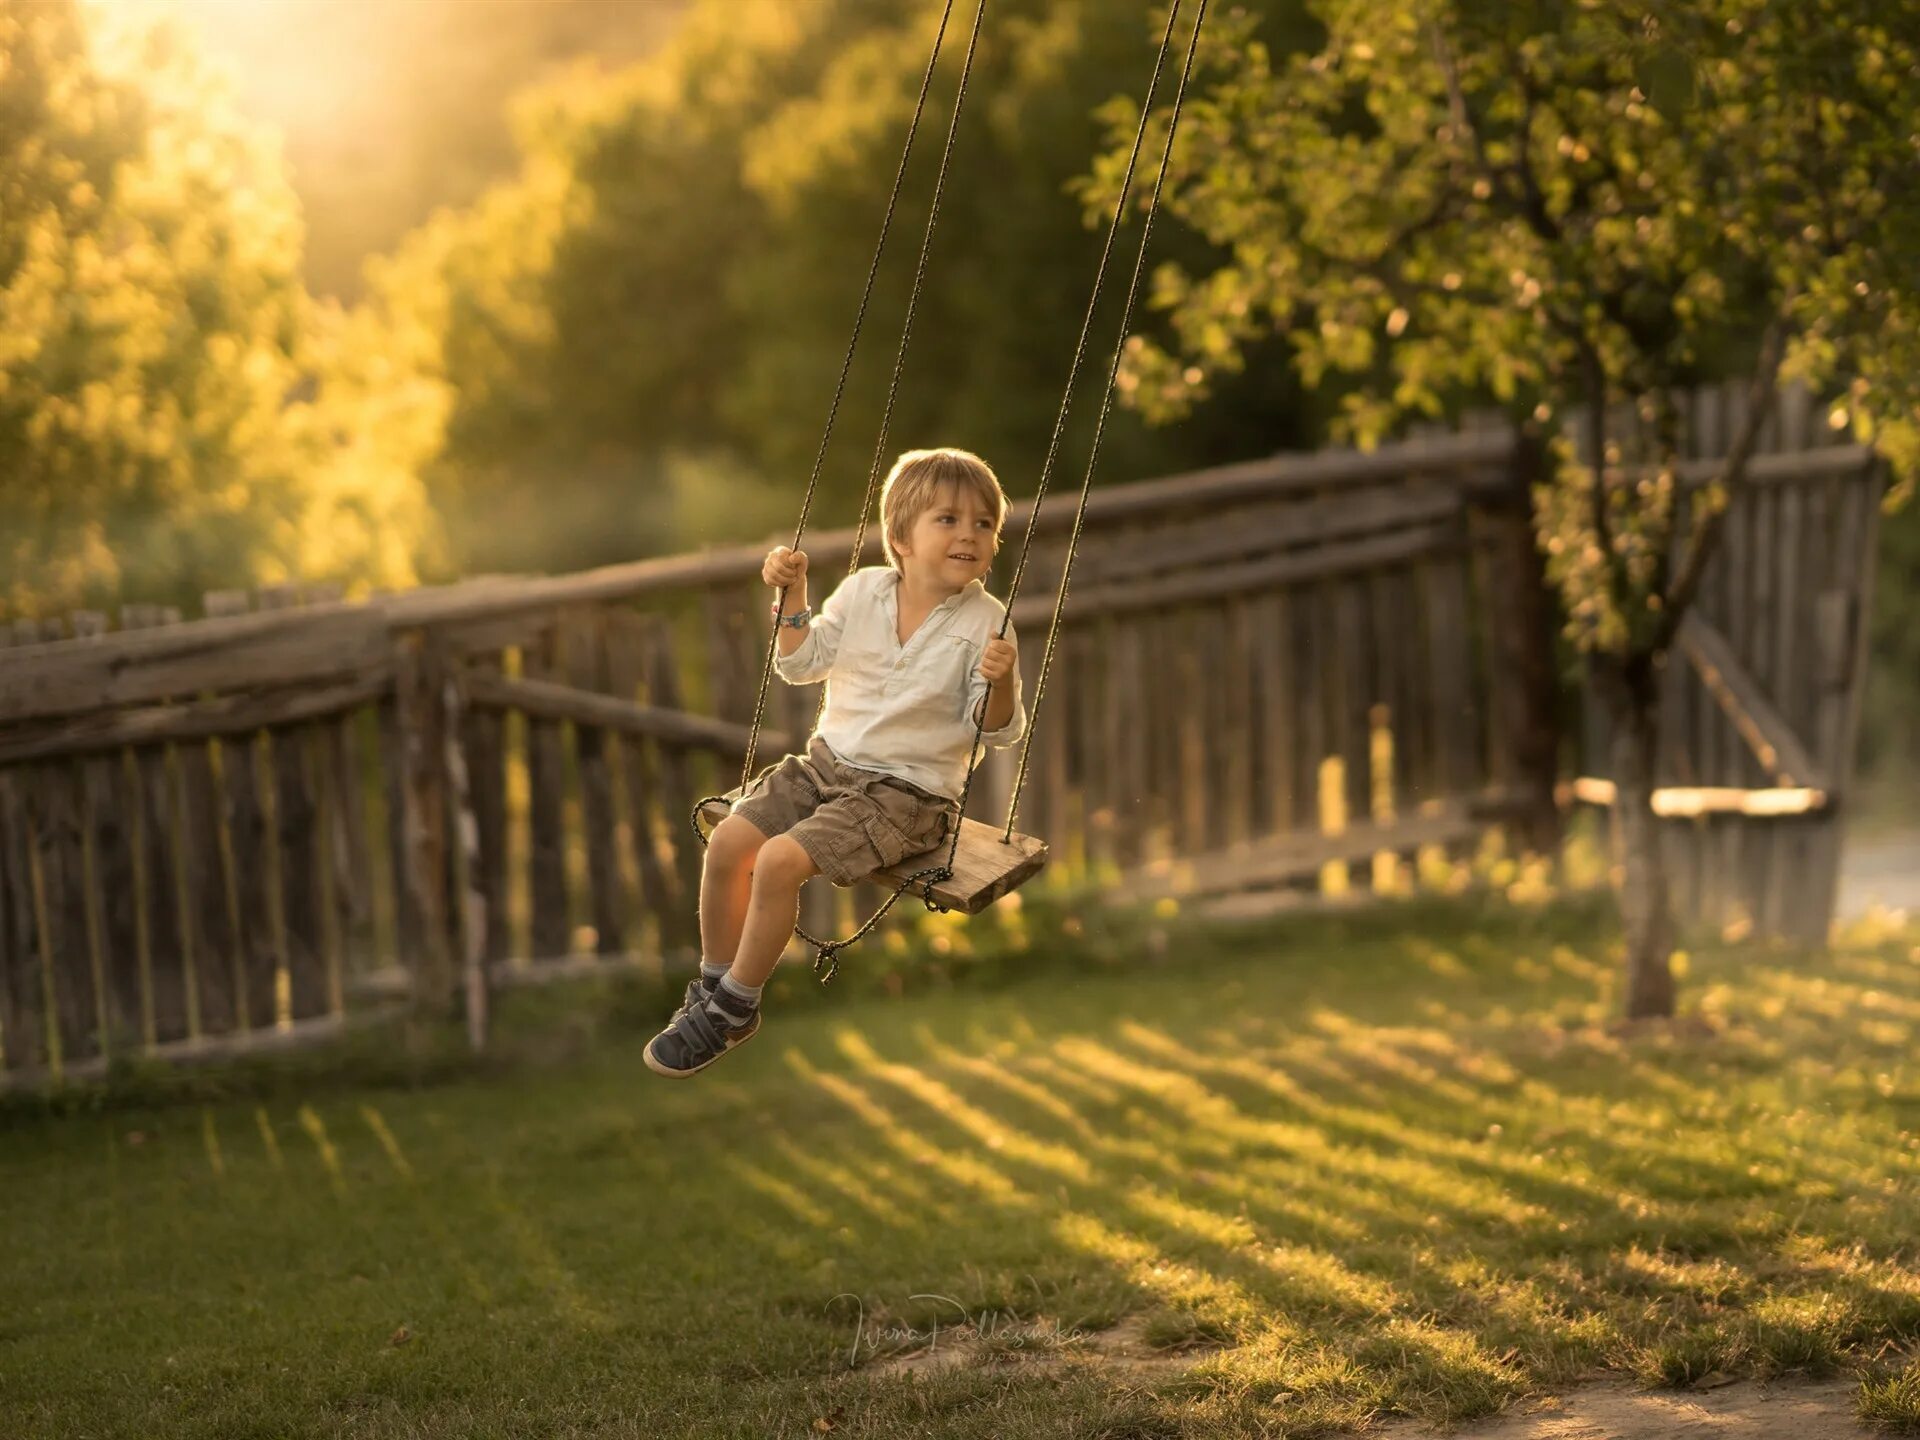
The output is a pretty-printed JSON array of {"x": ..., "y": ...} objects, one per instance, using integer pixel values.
[{"x": 950, "y": 542}]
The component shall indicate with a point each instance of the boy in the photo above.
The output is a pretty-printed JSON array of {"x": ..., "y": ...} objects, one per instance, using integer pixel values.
[{"x": 912, "y": 656}]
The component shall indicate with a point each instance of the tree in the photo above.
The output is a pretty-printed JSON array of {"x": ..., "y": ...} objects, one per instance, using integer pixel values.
[
  {"x": 573, "y": 330},
  {"x": 157, "y": 430},
  {"x": 1560, "y": 202},
  {"x": 1012, "y": 262},
  {"x": 665, "y": 290}
]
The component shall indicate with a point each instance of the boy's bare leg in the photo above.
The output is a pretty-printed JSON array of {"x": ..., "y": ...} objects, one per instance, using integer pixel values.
[
  {"x": 779, "y": 870},
  {"x": 726, "y": 884}
]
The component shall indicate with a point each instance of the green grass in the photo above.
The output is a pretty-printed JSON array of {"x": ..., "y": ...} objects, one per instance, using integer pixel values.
[{"x": 1397, "y": 1163}]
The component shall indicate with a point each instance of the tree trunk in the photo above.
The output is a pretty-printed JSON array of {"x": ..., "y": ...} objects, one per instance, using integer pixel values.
[{"x": 1630, "y": 689}]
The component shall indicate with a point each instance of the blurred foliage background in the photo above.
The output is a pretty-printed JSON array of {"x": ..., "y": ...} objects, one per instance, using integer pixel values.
[{"x": 377, "y": 294}]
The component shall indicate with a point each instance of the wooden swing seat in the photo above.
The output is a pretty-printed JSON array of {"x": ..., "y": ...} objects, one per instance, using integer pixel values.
[{"x": 985, "y": 867}]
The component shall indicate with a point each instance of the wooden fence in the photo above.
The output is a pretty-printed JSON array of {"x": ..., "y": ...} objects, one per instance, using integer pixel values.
[
  {"x": 236, "y": 831},
  {"x": 1761, "y": 698}
]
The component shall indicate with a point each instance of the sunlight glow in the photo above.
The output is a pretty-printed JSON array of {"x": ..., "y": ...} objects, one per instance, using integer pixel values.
[
  {"x": 857, "y": 1189},
  {"x": 1150, "y": 1268},
  {"x": 1076, "y": 1081},
  {"x": 388, "y": 1143},
  {"x": 908, "y": 1142},
  {"x": 779, "y": 1191},
  {"x": 1438, "y": 1179},
  {"x": 1149, "y": 1145},
  {"x": 429, "y": 1215},
  {"x": 210, "y": 1139},
  {"x": 981, "y": 1125},
  {"x": 1711, "y": 1279},
  {"x": 1381, "y": 1050},
  {"x": 317, "y": 1132},
  {"x": 995, "y": 1072},
  {"x": 542, "y": 1261},
  {"x": 268, "y": 1141}
]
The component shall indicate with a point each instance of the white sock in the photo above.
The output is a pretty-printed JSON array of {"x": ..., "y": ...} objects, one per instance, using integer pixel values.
[
  {"x": 711, "y": 973},
  {"x": 734, "y": 998}
]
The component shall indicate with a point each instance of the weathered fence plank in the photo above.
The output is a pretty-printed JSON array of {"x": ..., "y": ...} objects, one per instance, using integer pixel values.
[
  {"x": 1841, "y": 675},
  {"x": 285, "y": 647},
  {"x": 54, "y": 814},
  {"x": 1355, "y": 694},
  {"x": 676, "y": 791},
  {"x": 1127, "y": 739},
  {"x": 209, "y": 919},
  {"x": 1443, "y": 586},
  {"x": 166, "y": 946},
  {"x": 732, "y": 656},
  {"x": 251, "y": 851},
  {"x": 468, "y": 924},
  {"x": 1768, "y": 737},
  {"x": 348, "y": 870},
  {"x": 215, "y": 717},
  {"x": 1315, "y": 678},
  {"x": 585, "y": 664},
  {"x": 551, "y": 702},
  {"x": 485, "y": 758},
  {"x": 296, "y": 782},
  {"x": 23, "y": 1031},
  {"x": 546, "y": 782},
  {"x": 1272, "y": 619},
  {"x": 1220, "y": 581},
  {"x": 419, "y": 680},
  {"x": 109, "y": 809},
  {"x": 626, "y": 642}
]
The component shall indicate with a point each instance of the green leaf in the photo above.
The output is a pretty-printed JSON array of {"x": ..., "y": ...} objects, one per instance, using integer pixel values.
[{"x": 1666, "y": 78}]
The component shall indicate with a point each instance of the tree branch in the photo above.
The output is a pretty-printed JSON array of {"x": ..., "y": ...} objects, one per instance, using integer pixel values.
[
  {"x": 1706, "y": 532},
  {"x": 1457, "y": 104},
  {"x": 1379, "y": 266},
  {"x": 1395, "y": 243},
  {"x": 1535, "y": 208},
  {"x": 1667, "y": 438},
  {"x": 1595, "y": 375}
]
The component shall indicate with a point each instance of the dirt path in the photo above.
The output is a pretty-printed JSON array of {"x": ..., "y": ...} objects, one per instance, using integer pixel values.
[
  {"x": 1618, "y": 1410},
  {"x": 1613, "y": 1409}
]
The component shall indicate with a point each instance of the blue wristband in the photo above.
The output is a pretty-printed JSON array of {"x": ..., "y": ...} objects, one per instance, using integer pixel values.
[{"x": 797, "y": 620}]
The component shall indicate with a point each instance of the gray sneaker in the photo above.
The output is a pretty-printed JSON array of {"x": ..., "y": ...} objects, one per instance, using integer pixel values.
[
  {"x": 696, "y": 1038},
  {"x": 698, "y": 993}
]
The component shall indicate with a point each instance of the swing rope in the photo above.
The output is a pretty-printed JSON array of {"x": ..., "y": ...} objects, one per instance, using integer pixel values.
[
  {"x": 1106, "y": 405},
  {"x": 1099, "y": 431},
  {"x": 827, "y": 951},
  {"x": 853, "y": 341}
]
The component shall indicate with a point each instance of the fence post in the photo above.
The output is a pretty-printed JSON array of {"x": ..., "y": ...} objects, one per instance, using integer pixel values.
[
  {"x": 242, "y": 763},
  {"x": 296, "y": 775},
  {"x": 163, "y": 952},
  {"x": 470, "y": 926},
  {"x": 1525, "y": 693},
  {"x": 420, "y": 715}
]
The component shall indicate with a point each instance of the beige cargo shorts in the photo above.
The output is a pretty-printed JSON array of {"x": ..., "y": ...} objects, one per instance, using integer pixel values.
[{"x": 851, "y": 822}]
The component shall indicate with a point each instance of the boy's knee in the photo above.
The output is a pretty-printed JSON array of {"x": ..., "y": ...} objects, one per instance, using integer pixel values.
[
  {"x": 734, "y": 842},
  {"x": 783, "y": 861}
]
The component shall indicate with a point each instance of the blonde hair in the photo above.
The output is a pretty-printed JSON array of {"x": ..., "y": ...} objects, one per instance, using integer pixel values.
[{"x": 914, "y": 484}]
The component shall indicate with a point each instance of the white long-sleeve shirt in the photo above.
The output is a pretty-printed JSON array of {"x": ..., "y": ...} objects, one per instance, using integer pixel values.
[{"x": 903, "y": 710}]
